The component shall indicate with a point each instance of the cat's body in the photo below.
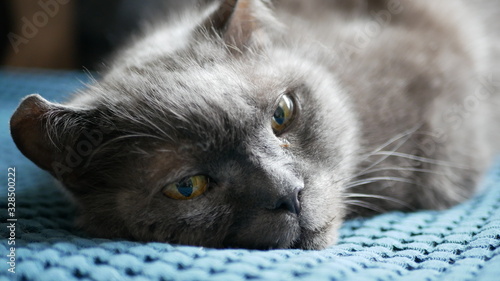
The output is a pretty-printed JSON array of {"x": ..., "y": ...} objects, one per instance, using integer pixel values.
[{"x": 392, "y": 108}]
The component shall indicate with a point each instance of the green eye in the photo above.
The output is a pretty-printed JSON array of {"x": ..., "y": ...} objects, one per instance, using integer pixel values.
[
  {"x": 187, "y": 188},
  {"x": 283, "y": 114}
]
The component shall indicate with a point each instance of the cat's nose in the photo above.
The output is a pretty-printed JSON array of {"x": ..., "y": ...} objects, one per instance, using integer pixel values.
[{"x": 289, "y": 202}]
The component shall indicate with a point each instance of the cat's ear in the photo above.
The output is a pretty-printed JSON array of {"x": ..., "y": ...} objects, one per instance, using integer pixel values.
[
  {"x": 41, "y": 130},
  {"x": 242, "y": 23},
  {"x": 28, "y": 129}
]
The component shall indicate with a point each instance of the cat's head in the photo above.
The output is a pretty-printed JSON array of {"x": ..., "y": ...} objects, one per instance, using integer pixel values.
[{"x": 228, "y": 141}]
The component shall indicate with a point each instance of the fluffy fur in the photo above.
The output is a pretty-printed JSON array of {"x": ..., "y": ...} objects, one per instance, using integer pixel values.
[{"x": 395, "y": 112}]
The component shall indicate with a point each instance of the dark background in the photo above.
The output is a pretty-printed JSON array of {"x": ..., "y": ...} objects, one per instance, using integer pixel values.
[{"x": 80, "y": 34}]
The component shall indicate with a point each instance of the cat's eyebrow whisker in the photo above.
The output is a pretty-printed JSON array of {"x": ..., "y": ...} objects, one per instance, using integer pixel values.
[
  {"x": 116, "y": 139},
  {"x": 377, "y": 179},
  {"x": 158, "y": 129},
  {"x": 391, "y": 199},
  {"x": 164, "y": 150},
  {"x": 397, "y": 137},
  {"x": 422, "y": 159},
  {"x": 89, "y": 75},
  {"x": 406, "y": 134},
  {"x": 402, "y": 138},
  {"x": 234, "y": 48},
  {"x": 145, "y": 122}
]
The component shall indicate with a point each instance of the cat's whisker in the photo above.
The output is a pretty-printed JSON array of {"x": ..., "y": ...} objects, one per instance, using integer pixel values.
[
  {"x": 377, "y": 179},
  {"x": 400, "y": 169},
  {"x": 386, "y": 198},
  {"x": 422, "y": 159},
  {"x": 365, "y": 205},
  {"x": 402, "y": 138}
]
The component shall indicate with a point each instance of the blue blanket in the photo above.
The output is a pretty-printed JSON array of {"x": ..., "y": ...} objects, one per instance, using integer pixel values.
[{"x": 462, "y": 243}]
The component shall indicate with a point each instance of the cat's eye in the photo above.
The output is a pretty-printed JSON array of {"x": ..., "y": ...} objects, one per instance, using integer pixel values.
[
  {"x": 283, "y": 115},
  {"x": 187, "y": 188}
]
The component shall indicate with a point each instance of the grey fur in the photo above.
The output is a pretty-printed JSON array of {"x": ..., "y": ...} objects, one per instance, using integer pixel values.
[{"x": 396, "y": 109}]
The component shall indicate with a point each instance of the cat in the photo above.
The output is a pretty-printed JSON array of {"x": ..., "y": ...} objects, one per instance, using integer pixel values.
[{"x": 251, "y": 124}]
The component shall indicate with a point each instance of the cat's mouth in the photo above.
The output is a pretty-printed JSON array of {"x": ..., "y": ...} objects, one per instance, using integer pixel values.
[{"x": 282, "y": 228}]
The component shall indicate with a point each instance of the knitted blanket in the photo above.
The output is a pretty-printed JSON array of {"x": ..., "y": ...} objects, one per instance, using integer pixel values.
[{"x": 462, "y": 243}]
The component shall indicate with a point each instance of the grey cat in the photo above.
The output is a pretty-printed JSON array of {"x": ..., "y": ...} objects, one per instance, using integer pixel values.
[{"x": 264, "y": 125}]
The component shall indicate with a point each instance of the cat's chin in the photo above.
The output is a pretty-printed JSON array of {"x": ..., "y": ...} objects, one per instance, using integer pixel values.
[
  {"x": 309, "y": 240},
  {"x": 316, "y": 240},
  {"x": 315, "y": 235}
]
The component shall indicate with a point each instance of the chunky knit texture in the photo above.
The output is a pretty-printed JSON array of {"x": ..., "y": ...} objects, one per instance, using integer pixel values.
[{"x": 462, "y": 243}]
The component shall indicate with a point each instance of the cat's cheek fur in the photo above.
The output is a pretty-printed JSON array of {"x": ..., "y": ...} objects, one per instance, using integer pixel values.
[{"x": 197, "y": 222}]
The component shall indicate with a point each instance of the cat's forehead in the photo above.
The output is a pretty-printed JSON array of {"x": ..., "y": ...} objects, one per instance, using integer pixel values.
[
  {"x": 226, "y": 85},
  {"x": 195, "y": 103}
]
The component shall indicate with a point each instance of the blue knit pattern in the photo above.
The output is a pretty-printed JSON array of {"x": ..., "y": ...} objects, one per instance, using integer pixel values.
[{"x": 462, "y": 243}]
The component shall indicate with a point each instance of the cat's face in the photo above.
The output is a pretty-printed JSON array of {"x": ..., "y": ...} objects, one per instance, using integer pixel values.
[{"x": 222, "y": 150}]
